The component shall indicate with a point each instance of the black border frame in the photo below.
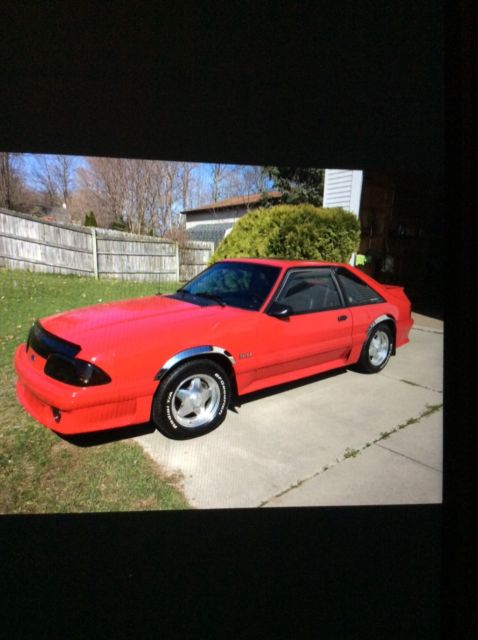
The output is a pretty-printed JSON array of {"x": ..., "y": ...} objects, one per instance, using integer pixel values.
[{"x": 375, "y": 572}]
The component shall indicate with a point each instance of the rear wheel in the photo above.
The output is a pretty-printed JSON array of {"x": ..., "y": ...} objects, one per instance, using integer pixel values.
[
  {"x": 377, "y": 349},
  {"x": 192, "y": 400}
]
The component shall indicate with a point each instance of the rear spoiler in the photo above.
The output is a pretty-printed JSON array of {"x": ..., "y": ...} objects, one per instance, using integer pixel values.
[
  {"x": 396, "y": 291},
  {"x": 390, "y": 287}
]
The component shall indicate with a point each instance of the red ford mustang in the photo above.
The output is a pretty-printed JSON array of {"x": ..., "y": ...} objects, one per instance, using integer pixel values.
[{"x": 239, "y": 326}]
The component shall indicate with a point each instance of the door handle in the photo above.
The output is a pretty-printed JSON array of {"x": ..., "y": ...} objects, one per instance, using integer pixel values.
[{"x": 341, "y": 318}]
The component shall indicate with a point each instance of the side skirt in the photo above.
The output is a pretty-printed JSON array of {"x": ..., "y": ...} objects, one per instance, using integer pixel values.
[{"x": 290, "y": 376}]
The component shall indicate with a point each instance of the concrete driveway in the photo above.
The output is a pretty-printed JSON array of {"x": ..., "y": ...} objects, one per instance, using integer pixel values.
[{"x": 343, "y": 438}]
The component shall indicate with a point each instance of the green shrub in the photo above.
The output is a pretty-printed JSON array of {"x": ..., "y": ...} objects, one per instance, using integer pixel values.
[
  {"x": 293, "y": 232},
  {"x": 90, "y": 220},
  {"x": 119, "y": 225}
]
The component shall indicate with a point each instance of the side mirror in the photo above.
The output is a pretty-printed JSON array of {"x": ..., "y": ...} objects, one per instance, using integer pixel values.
[{"x": 279, "y": 310}]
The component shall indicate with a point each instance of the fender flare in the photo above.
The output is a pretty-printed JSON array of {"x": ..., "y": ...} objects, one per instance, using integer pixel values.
[
  {"x": 193, "y": 352},
  {"x": 384, "y": 318}
]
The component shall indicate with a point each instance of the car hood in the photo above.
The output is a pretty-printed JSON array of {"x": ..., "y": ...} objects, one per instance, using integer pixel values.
[{"x": 113, "y": 320}]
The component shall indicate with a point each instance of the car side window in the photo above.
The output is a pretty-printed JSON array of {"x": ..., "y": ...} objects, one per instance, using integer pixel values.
[
  {"x": 356, "y": 291},
  {"x": 310, "y": 290}
]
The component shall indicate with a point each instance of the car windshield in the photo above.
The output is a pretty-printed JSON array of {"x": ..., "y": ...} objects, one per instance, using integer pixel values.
[{"x": 237, "y": 284}]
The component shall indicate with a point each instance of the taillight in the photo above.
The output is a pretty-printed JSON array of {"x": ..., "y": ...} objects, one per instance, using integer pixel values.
[{"x": 75, "y": 371}]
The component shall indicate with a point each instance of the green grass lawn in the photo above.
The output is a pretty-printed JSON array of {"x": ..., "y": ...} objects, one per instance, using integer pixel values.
[{"x": 39, "y": 471}]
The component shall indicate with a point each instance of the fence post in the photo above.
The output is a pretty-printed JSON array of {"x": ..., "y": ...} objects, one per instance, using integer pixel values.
[
  {"x": 177, "y": 262},
  {"x": 95, "y": 252}
]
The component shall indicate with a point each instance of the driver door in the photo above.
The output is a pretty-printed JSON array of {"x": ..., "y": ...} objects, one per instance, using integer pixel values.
[{"x": 317, "y": 332}]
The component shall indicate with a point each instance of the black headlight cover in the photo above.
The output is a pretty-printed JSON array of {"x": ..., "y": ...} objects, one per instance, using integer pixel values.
[
  {"x": 74, "y": 371},
  {"x": 45, "y": 343}
]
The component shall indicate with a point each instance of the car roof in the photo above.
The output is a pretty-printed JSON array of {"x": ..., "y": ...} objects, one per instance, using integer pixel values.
[{"x": 282, "y": 263}]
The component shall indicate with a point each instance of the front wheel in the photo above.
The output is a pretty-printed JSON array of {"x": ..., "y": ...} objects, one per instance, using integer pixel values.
[
  {"x": 192, "y": 400},
  {"x": 377, "y": 349}
]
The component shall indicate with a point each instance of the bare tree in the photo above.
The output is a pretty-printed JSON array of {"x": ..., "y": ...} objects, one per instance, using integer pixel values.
[
  {"x": 199, "y": 188},
  {"x": 177, "y": 233},
  {"x": 63, "y": 174},
  {"x": 186, "y": 177},
  {"x": 150, "y": 192},
  {"x": 53, "y": 176},
  {"x": 102, "y": 189},
  {"x": 6, "y": 180},
  {"x": 11, "y": 180},
  {"x": 168, "y": 192},
  {"x": 230, "y": 181},
  {"x": 254, "y": 180},
  {"x": 42, "y": 174},
  {"x": 219, "y": 173},
  {"x": 141, "y": 193}
]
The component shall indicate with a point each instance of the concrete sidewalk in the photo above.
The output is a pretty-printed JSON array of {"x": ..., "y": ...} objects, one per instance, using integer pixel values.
[{"x": 342, "y": 438}]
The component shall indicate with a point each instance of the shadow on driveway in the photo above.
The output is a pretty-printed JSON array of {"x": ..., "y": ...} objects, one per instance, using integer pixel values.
[
  {"x": 98, "y": 438},
  {"x": 237, "y": 402}
]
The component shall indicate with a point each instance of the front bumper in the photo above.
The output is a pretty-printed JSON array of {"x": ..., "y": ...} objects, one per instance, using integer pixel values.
[{"x": 81, "y": 409}]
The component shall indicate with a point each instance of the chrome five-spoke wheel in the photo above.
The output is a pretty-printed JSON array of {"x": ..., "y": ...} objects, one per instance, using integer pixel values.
[
  {"x": 192, "y": 399},
  {"x": 195, "y": 402},
  {"x": 378, "y": 348}
]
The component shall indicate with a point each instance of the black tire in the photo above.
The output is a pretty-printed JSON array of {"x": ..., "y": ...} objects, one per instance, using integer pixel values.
[
  {"x": 187, "y": 387},
  {"x": 381, "y": 334}
]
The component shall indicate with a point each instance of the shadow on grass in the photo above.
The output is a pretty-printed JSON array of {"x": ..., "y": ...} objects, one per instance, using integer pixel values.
[{"x": 97, "y": 438}]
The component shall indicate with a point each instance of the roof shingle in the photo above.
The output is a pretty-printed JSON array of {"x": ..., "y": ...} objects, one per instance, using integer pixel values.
[{"x": 234, "y": 202}]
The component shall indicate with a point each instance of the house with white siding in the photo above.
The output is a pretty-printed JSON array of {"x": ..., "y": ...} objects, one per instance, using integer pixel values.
[
  {"x": 213, "y": 221},
  {"x": 343, "y": 188}
]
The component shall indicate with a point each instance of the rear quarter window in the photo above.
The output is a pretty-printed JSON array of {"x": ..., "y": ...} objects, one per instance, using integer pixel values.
[{"x": 356, "y": 292}]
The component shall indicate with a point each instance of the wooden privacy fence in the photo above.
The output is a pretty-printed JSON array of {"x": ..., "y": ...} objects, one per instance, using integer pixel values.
[{"x": 36, "y": 245}]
